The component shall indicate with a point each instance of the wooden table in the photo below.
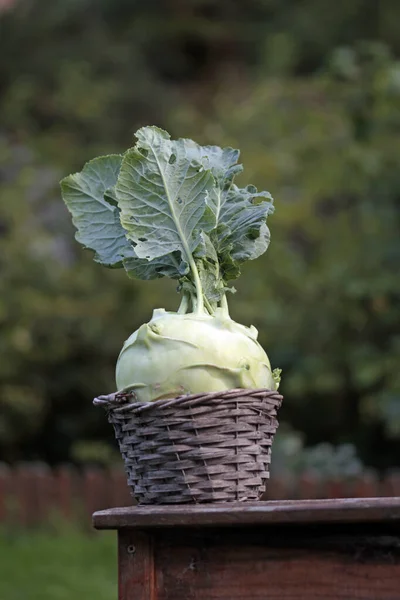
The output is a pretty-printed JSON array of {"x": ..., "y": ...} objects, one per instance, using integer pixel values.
[{"x": 290, "y": 550}]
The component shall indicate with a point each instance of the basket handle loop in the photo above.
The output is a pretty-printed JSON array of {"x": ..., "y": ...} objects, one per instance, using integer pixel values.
[{"x": 115, "y": 399}]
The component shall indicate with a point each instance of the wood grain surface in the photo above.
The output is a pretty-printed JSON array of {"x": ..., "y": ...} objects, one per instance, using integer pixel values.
[
  {"x": 252, "y": 513},
  {"x": 136, "y": 570},
  {"x": 347, "y": 549},
  {"x": 266, "y": 564}
]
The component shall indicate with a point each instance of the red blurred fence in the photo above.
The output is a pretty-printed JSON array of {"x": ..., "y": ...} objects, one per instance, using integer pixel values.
[{"x": 32, "y": 494}]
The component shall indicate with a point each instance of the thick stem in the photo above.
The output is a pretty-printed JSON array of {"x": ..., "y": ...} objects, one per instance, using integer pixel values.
[
  {"x": 193, "y": 300},
  {"x": 184, "y": 306},
  {"x": 208, "y": 305},
  {"x": 199, "y": 290},
  {"x": 224, "y": 306}
]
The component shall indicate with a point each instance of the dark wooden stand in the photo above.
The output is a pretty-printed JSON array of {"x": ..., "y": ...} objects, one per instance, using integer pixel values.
[{"x": 347, "y": 549}]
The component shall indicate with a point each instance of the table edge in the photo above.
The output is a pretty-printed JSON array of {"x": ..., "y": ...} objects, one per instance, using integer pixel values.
[{"x": 335, "y": 510}]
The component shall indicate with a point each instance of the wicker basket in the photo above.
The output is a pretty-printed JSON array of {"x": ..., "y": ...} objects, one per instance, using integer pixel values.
[{"x": 198, "y": 448}]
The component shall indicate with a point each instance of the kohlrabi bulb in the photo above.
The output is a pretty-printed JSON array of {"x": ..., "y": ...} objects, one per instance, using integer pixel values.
[{"x": 176, "y": 354}]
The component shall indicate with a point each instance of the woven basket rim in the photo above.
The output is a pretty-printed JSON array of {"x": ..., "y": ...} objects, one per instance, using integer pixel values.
[
  {"x": 120, "y": 401},
  {"x": 195, "y": 448}
]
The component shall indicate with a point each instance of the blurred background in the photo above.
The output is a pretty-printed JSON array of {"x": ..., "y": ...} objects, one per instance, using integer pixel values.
[{"x": 310, "y": 93}]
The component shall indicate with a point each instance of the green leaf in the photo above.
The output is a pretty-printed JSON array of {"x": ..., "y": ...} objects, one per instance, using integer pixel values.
[
  {"x": 222, "y": 162},
  {"x": 209, "y": 272},
  {"x": 170, "y": 208},
  {"x": 242, "y": 233},
  {"x": 276, "y": 375},
  {"x": 163, "y": 266},
  {"x": 162, "y": 194},
  {"x": 89, "y": 198}
]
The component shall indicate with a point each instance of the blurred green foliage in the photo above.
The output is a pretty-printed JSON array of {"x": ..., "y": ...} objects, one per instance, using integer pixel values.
[
  {"x": 315, "y": 111},
  {"x": 325, "y": 297},
  {"x": 57, "y": 565}
]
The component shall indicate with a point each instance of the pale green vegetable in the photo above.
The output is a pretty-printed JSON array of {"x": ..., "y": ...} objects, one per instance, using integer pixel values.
[
  {"x": 175, "y": 354},
  {"x": 170, "y": 208}
]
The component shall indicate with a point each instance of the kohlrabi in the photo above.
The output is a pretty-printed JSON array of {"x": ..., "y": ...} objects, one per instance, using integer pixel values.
[{"x": 170, "y": 208}]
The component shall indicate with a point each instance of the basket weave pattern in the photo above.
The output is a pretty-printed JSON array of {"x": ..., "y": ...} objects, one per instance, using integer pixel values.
[{"x": 198, "y": 448}]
